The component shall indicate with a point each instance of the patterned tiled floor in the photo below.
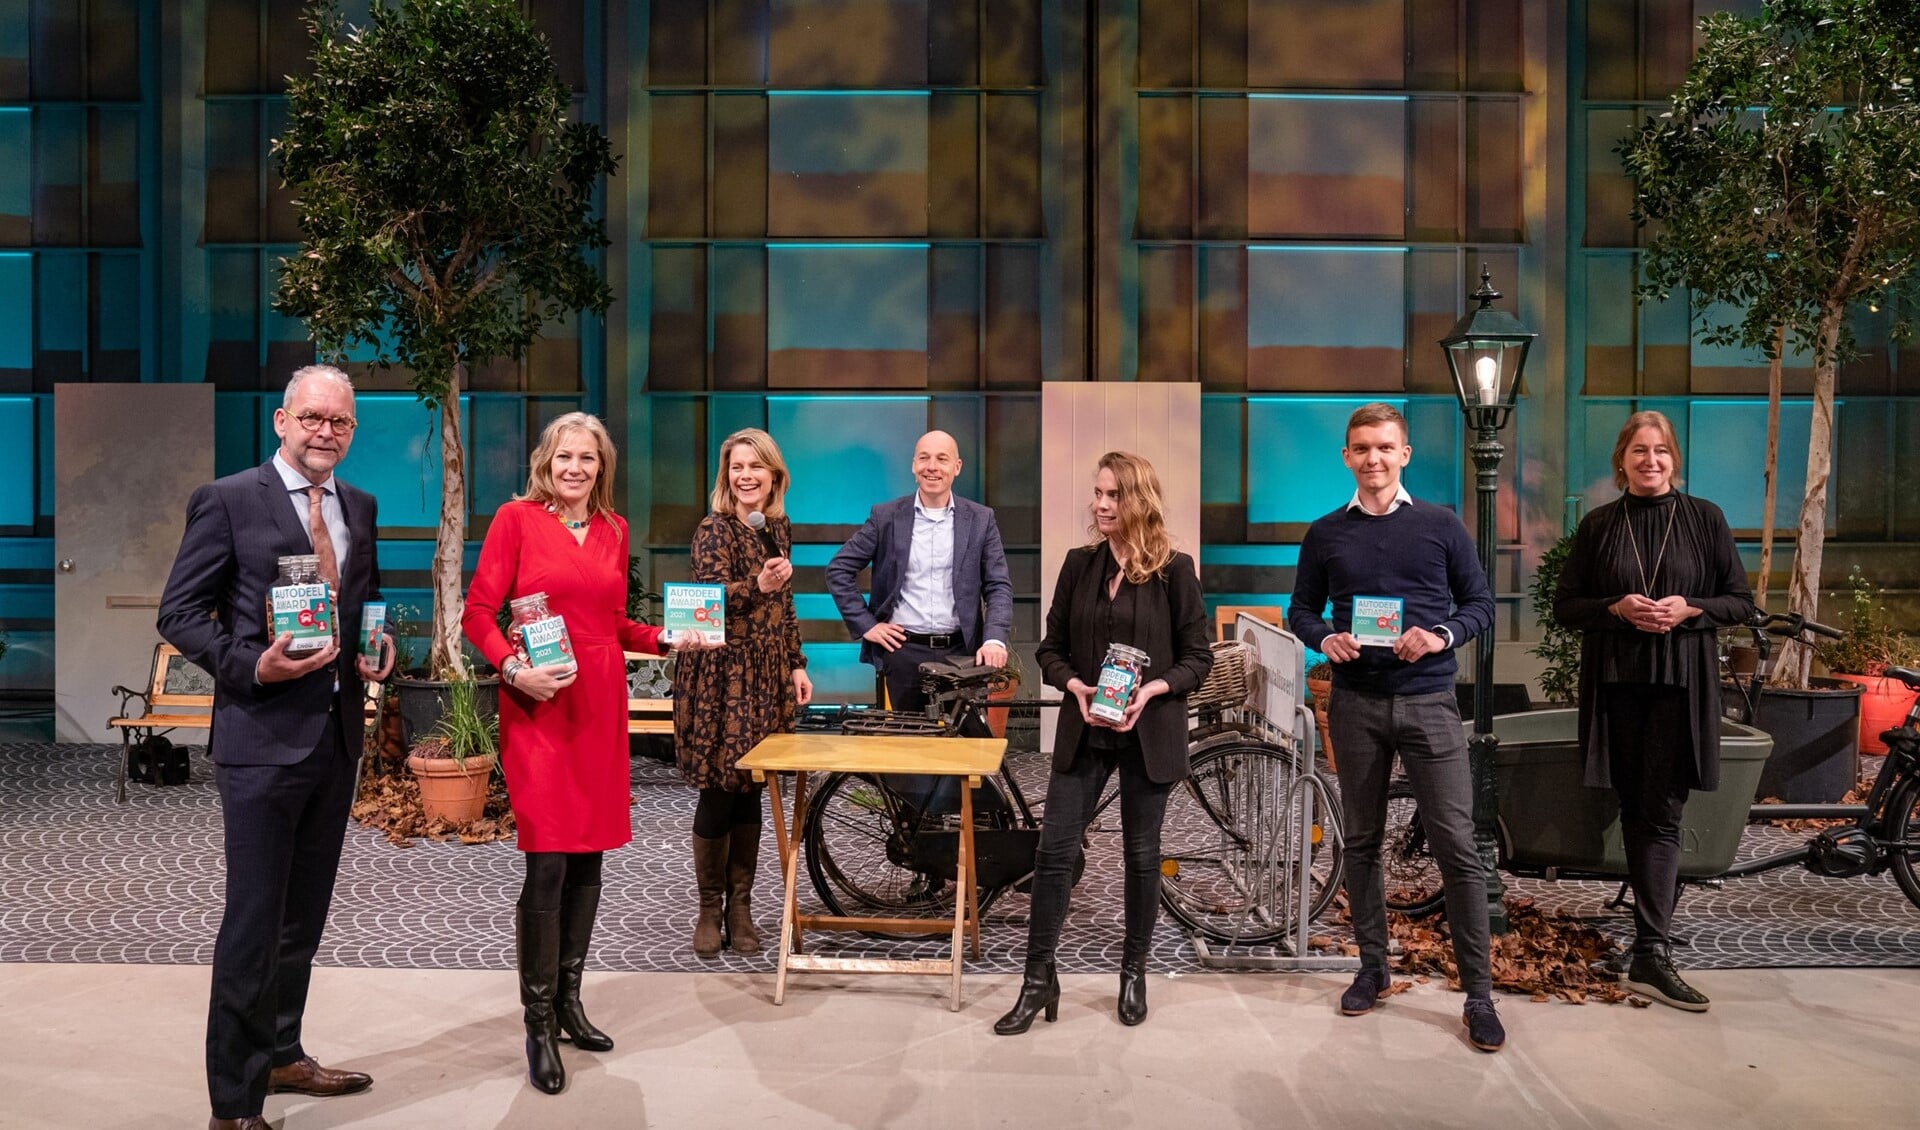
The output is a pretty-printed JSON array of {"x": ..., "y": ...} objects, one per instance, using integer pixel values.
[{"x": 86, "y": 880}]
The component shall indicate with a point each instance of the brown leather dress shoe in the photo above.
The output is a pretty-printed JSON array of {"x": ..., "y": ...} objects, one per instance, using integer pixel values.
[
  {"x": 305, "y": 1076},
  {"x": 251, "y": 1122}
]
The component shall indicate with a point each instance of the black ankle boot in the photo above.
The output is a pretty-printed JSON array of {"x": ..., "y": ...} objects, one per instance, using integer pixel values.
[
  {"x": 578, "y": 906},
  {"x": 1133, "y": 989},
  {"x": 537, "y": 940},
  {"x": 1039, "y": 990}
]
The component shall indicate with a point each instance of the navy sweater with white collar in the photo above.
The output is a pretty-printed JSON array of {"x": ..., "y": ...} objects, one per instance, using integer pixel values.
[{"x": 1420, "y": 553}]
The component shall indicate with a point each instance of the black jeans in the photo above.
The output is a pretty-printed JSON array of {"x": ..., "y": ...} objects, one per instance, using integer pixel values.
[
  {"x": 1650, "y": 744},
  {"x": 1424, "y": 729},
  {"x": 1071, "y": 798}
]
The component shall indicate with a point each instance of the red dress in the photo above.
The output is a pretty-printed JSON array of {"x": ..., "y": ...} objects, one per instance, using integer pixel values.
[{"x": 566, "y": 758}]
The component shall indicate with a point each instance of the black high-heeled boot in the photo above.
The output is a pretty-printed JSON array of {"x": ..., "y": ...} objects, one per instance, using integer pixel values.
[
  {"x": 1133, "y": 989},
  {"x": 1039, "y": 990},
  {"x": 537, "y": 940},
  {"x": 578, "y": 906}
]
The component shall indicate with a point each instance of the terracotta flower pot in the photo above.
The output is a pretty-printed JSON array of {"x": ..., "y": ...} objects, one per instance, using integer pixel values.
[
  {"x": 1883, "y": 706},
  {"x": 450, "y": 790}
]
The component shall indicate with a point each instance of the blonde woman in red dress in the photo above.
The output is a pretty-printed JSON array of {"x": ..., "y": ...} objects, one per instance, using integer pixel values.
[{"x": 563, "y": 733}]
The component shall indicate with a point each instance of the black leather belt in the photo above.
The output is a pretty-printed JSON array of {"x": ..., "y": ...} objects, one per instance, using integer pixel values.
[{"x": 939, "y": 641}]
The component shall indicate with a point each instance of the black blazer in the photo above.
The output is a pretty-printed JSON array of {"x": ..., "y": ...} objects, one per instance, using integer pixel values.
[
  {"x": 215, "y": 604},
  {"x": 1172, "y": 630}
]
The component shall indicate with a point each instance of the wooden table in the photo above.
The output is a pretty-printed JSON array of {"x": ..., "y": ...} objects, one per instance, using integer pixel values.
[{"x": 801, "y": 754}]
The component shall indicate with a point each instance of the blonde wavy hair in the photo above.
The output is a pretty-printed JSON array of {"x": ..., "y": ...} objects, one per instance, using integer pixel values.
[
  {"x": 1143, "y": 525},
  {"x": 540, "y": 464},
  {"x": 722, "y": 499}
]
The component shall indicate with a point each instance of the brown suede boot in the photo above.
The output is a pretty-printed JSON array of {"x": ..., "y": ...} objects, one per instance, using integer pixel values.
[
  {"x": 743, "y": 857},
  {"x": 710, "y": 874}
]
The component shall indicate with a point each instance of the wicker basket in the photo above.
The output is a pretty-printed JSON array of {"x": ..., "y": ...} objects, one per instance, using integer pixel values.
[{"x": 1231, "y": 682}]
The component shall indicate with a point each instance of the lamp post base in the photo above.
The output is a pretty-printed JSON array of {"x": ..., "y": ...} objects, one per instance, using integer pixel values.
[{"x": 1480, "y": 755}]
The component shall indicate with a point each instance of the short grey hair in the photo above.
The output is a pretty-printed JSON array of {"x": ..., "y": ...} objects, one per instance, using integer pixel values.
[{"x": 327, "y": 371}]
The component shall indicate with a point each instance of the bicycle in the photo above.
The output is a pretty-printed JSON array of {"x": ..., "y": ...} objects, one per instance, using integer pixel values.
[
  {"x": 885, "y": 847},
  {"x": 1884, "y": 833}
]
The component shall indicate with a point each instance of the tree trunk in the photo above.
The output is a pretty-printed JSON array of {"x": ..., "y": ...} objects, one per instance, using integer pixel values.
[
  {"x": 1772, "y": 464},
  {"x": 449, "y": 545},
  {"x": 1803, "y": 590}
]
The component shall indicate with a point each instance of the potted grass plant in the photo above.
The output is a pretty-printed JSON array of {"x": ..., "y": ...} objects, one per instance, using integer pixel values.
[
  {"x": 1871, "y": 646},
  {"x": 454, "y": 764}
]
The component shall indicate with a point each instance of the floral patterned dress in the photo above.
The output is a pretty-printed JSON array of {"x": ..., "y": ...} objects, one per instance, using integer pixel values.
[{"x": 726, "y": 699}]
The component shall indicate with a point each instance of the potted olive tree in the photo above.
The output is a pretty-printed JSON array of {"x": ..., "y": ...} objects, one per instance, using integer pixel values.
[
  {"x": 1780, "y": 182},
  {"x": 445, "y": 198}
]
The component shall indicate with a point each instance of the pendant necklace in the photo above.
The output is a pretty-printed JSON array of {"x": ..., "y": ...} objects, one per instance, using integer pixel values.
[
  {"x": 569, "y": 523},
  {"x": 1646, "y": 582}
]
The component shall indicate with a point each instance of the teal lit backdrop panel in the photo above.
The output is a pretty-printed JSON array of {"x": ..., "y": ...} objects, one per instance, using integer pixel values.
[
  {"x": 1433, "y": 427},
  {"x": 395, "y": 457},
  {"x": 237, "y": 432},
  {"x": 847, "y": 316},
  {"x": 16, "y": 177},
  {"x": 1600, "y": 421},
  {"x": 1725, "y": 443},
  {"x": 16, "y": 312},
  {"x": 498, "y": 448},
  {"x": 1326, "y": 319},
  {"x": 725, "y": 416},
  {"x": 846, "y": 452},
  {"x": 1222, "y": 450},
  {"x": 16, "y": 460},
  {"x": 1294, "y": 470},
  {"x": 62, "y": 311},
  {"x": 847, "y": 163}
]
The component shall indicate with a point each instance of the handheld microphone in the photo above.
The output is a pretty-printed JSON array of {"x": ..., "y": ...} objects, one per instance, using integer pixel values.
[{"x": 758, "y": 523}]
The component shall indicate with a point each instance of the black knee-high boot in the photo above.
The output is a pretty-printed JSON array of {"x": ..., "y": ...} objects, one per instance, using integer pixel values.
[
  {"x": 578, "y": 905},
  {"x": 537, "y": 940}
]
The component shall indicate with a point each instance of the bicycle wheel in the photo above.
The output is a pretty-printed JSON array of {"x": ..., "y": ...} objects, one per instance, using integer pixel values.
[
  {"x": 1231, "y": 846},
  {"x": 872, "y": 853},
  {"x": 1903, "y": 832},
  {"x": 1407, "y": 867}
]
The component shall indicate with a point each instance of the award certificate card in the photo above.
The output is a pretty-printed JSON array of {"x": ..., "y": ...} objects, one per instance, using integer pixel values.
[
  {"x": 697, "y": 608},
  {"x": 1377, "y": 620}
]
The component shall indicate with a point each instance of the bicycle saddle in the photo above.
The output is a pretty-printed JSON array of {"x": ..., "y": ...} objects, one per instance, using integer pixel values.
[
  {"x": 1906, "y": 675},
  {"x": 938, "y": 674}
]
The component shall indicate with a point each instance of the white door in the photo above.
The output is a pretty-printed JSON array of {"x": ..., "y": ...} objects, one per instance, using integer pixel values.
[{"x": 126, "y": 458}]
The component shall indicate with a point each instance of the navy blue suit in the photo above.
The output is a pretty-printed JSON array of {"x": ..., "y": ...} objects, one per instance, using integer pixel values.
[
  {"x": 284, "y": 757},
  {"x": 884, "y": 542}
]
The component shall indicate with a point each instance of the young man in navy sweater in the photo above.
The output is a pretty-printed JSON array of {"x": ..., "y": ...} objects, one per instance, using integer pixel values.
[{"x": 1396, "y": 695}]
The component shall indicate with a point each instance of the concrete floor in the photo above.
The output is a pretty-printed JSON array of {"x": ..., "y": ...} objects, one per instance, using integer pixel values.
[{"x": 120, "y": 1046}]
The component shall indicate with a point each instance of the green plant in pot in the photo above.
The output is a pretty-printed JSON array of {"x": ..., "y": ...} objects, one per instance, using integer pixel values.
[
  {"x": 1871, "y": 646},
  {"x": 446, "y": 207},
  {"x": 1558, "y": 646},
  {"x": 455, "y": 762}
]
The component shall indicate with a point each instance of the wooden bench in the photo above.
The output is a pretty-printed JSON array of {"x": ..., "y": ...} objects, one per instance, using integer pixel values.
[
  {"x": 179, "y": 696},
  {"x": 649, "y": 715}
]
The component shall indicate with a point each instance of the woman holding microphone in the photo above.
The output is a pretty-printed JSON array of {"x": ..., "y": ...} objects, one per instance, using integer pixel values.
[
  {"x": 1130, "y": 594},
  {"x": 725, "y": 701},
  {"x": 563, "y": 726}
]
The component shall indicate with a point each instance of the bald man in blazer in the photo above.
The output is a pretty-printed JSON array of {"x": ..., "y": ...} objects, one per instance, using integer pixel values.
[
  {"x": 286, "y": 736},
  {"x": 940, "y": 583}
]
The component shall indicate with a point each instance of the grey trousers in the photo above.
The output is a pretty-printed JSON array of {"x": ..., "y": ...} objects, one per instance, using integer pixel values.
[{"x": 1367, "y": 730}]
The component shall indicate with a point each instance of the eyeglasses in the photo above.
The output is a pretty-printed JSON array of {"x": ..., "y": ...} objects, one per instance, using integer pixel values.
[{"x": 311, "y": 421}]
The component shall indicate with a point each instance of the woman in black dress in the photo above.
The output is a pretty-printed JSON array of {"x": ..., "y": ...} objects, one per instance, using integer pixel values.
[
  {"x": 1649, "y": 577},
  {"x": 1128, "y": 587}
]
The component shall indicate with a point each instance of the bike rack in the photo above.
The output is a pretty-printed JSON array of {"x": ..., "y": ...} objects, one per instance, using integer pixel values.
[{"x": 1304, "y": 799}]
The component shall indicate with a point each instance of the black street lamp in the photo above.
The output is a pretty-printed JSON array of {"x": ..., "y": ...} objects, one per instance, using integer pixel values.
[{"x": 1486, "y": 352}]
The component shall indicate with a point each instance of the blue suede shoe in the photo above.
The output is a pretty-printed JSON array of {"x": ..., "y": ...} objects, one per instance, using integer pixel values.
[
  {"x": 1369, "y": 986},
  {"x": 1483, "y": 1025}
]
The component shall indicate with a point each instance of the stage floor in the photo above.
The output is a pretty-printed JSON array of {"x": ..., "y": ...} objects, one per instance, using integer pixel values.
[
  {"x": 119, "y": 1046},
  {"x": 88, "y": 880}
]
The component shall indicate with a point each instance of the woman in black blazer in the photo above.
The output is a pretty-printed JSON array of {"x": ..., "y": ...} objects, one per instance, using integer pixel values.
[{"x": 1128, "y": 587}]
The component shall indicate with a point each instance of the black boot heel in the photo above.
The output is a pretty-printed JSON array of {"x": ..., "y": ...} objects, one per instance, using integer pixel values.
[{"x": 1039, "y": 993}]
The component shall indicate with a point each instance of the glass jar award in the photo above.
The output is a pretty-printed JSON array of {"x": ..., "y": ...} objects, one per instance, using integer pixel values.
[
  {"x": 1119, "y": 678},
  {"x": 539, "y": 635},
  {"x": 301, "y": 604}
]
